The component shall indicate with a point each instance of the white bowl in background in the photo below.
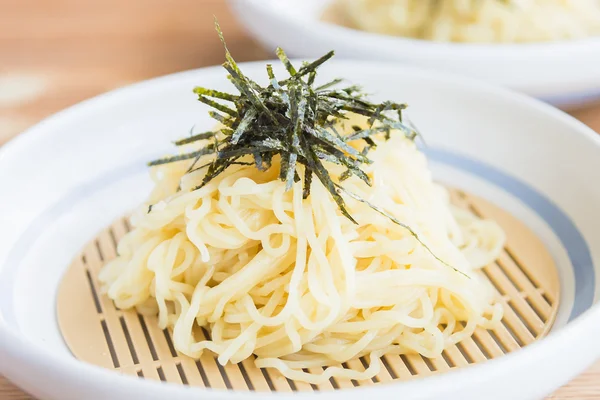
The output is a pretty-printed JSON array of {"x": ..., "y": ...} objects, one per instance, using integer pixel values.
[
  {"x": 74, "y": 173},
  {"x": 563, "y": 73}
]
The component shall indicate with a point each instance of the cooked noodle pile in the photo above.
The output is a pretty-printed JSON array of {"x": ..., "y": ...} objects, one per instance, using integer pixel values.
[
  {"x": 474, "y": 20},
  {"x": 297, "y": 284}
]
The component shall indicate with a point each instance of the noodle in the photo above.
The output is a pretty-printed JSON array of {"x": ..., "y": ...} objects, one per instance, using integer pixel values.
[
  {"x": 296, "y": 283},
  {"x": 484, "y": 21}
]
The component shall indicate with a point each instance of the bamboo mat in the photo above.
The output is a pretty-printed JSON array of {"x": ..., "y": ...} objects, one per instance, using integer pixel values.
[
  {"x": 55, "y": 53},
  {"x": 524, "y": 276}
]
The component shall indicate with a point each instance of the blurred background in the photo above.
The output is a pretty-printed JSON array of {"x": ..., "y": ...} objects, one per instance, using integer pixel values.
[{"x": 55, "y": 53}]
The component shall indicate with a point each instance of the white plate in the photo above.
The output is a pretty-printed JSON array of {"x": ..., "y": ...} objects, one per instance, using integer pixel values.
[
  {"x": 75, "y": 172},
  {"x": 562, "y": 73}
]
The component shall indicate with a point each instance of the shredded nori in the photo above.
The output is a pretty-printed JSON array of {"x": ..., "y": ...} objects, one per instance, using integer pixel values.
[{"x": 297, "y": 121}]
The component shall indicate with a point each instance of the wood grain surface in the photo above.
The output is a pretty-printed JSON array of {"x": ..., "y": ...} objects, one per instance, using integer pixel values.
[{"x": 55, "y": 53}]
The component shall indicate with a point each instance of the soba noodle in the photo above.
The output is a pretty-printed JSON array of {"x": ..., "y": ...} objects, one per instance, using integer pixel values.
[{"x": 296, "y": 283}]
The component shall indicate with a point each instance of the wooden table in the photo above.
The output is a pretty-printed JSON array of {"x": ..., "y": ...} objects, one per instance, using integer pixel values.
[{"x": 54, "y": 53}]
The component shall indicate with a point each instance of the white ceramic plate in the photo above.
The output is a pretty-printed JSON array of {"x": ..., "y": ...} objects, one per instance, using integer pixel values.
[
  {"x": 562, "y": 73},
  {"x": 75, "y": 172}
]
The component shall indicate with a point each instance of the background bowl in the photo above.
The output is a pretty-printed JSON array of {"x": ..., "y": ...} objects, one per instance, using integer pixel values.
[
  {"x": 77, "y": 171},
  {"x": 563, "y": 73}
]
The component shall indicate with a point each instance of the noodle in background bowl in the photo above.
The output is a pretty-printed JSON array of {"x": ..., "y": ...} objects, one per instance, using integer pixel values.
[
  {"x": 77, "y": 171},
  {"x": 563, "y": 73}
]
